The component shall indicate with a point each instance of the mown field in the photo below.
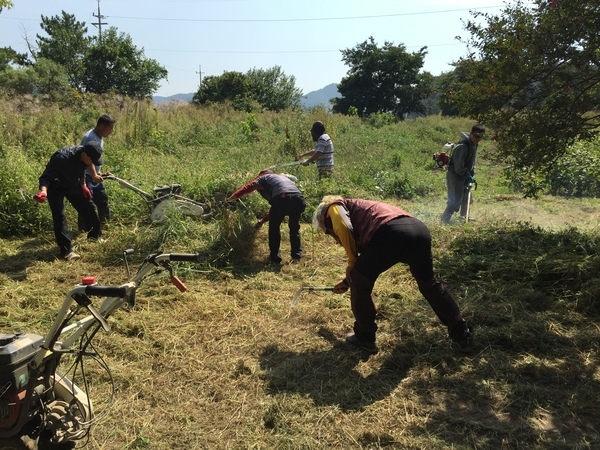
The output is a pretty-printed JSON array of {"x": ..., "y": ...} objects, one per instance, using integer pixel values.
[{"x": 230, "y": 364}]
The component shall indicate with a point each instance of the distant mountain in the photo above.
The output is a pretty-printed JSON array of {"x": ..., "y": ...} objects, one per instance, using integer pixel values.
[
  {"x": 310, "y": 100},
  {"x": 185, "y": 98},
  {"x": 320, "y": 97}
]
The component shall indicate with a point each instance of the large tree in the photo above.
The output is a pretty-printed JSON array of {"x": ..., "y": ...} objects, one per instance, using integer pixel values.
[
  {"x": 96, "y": 65},
  {"x": 66, "y": 43},
  {"x": 231, "y": 86},
  {"x": 114, "y": 63},
  {"x": 534, "y": 76},
  {"x": 383, "y": 79},
  {"x": 270, "y": 88},
  {"x": 273, "y": 89}
]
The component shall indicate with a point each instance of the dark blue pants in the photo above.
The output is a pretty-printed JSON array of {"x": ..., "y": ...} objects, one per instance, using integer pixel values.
[
  {"x": 85, "y": 209},
  {"x": 100, "y": 199},
  {"x": 292, "y": 207}
]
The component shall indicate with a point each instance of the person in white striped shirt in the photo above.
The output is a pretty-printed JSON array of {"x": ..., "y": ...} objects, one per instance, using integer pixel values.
[{"x": 322, "y": 155}]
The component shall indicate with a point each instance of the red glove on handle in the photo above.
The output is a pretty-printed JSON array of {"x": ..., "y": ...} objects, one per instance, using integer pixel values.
[
  {"x": 86, "y": 192},
  {"x": 40, "y": 197}
]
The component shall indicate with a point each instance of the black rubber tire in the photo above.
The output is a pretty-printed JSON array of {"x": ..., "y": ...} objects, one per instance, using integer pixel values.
[{"x": 13, "y": 444}]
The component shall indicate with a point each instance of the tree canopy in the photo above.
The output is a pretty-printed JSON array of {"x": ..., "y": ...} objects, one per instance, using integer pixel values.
[
  {"x": 9, "y": 56},
  {"x": 270, "y": 88},
  {"x": 90, "y": 64},
  {"x": 231, "y": 86},
  {"x": 66, "y": 43},
  {"x": 534, "y": 76},
  {"x": 116, "y": 64},
  {"x": 383, "y": 79},
  {"x": 5, "y": 3}
]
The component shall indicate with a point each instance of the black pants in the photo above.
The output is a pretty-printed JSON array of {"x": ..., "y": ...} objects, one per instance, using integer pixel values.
[
  {"x": 84, "y": 207},
  {"x": 293, "y": 207},
  {"x": 100, "y": 199},
  {"x": 406, "y": 240}
]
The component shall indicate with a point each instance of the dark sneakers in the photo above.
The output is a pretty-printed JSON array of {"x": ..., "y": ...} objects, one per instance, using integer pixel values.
[
  {"x": 369, "y": 346},
  {"x": 462, "y": 338}
]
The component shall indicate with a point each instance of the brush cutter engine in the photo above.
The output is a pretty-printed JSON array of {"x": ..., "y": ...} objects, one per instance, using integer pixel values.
[
  {"x": 442, "y": 159},
  {"x": 16, "y": 351},
  {"x": 160, "y": 191},
  {"x": 63, "y": 411}
]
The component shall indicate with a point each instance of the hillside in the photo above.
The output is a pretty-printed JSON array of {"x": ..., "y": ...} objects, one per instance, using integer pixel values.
[{"x": 321, "y": 96}]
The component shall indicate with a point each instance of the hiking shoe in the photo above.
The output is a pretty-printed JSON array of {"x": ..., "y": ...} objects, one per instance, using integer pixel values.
[
  {"x": 72, "y": 256},
  {"x": 352, "y": 339},
  {"x": 463, "y": 340}
]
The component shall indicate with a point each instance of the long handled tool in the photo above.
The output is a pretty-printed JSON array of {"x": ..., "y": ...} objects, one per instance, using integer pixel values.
[
  {"x": 308, "y": 288},
  {"x": 24, "y": 192},
  {"x": 472, "y": 186},
  {"x": 294, "y": 163},
  {"x": 468, "y": 204}
]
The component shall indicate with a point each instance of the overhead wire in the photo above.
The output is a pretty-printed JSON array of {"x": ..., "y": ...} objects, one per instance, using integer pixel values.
[{"x": 310, "y": 19}]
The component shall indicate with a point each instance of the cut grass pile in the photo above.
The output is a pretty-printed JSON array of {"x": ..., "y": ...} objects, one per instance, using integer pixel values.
[{"x": 230, "y": 364}]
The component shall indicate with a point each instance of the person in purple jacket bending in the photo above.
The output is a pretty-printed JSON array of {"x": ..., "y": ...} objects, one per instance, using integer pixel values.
[
  {"x": 286, "y": 200},
  {"x": 377, "y": 236}
]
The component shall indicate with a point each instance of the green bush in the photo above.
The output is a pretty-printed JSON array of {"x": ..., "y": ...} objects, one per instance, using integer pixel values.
[{"x": 578, "y": 172}]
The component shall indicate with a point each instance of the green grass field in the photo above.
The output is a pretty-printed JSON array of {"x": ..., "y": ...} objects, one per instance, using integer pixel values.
[{"x": 230, "y": 364}]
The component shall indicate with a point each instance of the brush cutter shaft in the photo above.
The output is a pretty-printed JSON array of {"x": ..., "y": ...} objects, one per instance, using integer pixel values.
[{"x": 294, "y": 163}]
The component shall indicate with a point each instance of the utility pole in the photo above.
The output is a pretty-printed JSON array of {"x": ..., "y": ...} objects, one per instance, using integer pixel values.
[
  {"x": 99, "y": 23},
  {"x": 200, "y": 73}
]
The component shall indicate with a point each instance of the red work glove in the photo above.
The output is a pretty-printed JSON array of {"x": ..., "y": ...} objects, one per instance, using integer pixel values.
[
  {"x": 86, "y": 192},
  {"x": 40, "y": 197}
]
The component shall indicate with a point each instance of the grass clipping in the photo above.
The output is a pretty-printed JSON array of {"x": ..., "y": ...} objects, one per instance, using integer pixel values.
[{"x": 229, "y": 364}]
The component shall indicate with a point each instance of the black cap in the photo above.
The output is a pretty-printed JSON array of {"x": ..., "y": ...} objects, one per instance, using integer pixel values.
[{"x": 94, "y": 151}]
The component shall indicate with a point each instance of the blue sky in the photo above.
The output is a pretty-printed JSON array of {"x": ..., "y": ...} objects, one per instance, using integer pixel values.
[{"x": 303, "y": 37}]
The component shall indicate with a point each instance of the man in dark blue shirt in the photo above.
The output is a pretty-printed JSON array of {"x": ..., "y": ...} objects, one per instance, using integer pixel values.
[{"x": 64, "y": 178}]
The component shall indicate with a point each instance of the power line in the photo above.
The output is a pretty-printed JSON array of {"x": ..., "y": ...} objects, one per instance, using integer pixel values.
[
  {"x": 312, "y": 19},
  {"x": 276, "y": 51}
]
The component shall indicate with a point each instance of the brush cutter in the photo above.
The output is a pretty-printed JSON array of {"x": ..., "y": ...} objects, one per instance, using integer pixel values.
[
  {"x": 308, "y": 288},
  {"x": 164, "y": 200},
  {"x": 294, "y": 163}
]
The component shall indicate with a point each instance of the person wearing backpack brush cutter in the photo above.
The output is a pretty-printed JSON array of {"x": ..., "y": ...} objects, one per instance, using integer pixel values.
[
  {"x": 286, "y": 200},
  {"x": 64, "y": 178},
  {"x": 376, "y": 236},
  {"x": 461, "y": 172}
]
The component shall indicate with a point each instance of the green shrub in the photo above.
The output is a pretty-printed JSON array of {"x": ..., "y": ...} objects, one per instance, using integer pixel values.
[{"x": 577, "y": 173}]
